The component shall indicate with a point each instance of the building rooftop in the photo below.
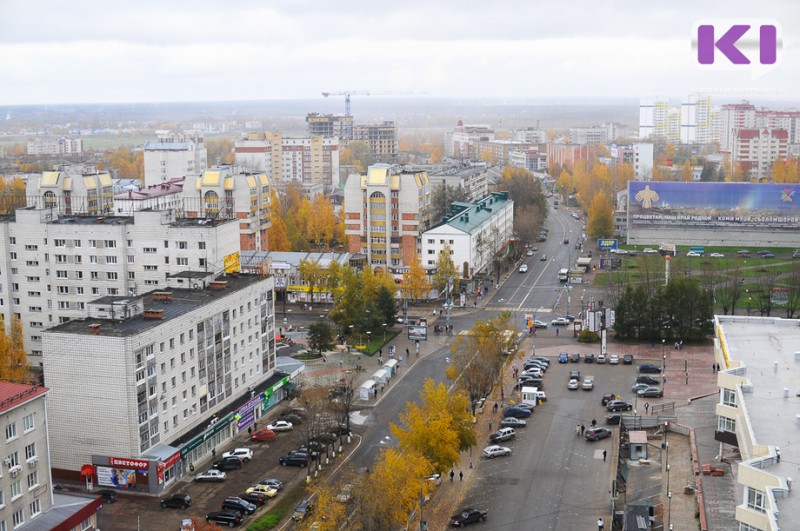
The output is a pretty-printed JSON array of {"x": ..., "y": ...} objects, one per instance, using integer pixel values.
[
  {"x": 66, "y": 507},
  {"x": 173, "y": 186},
  {"x": 467, "y": 217},
  {"x": 766, "y": 349},
  {"x": 14, "y": 394},
  {"x": 166, "y": 146},
  {"x": 181, "y": 302}
]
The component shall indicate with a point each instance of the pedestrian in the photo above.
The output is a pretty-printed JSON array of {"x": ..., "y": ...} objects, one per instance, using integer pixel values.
[
  {"x": 380, "y": 360},
  {"x": 687, "y": 378},
  {"x": 382, "y": 387},
  {"x": 490, "y": 425},
  {"x": 340, "y": 364},
  {"x": 713, "y": 367},
  {"x": 594, "y": 423},
  {"x": 380, "y": 353},
  {"x": 406, "y": 352},
  {"x": 255, "y": 426},
  {"x": 578, "y": 429},
  {"x": 604, "y": 455},
  {"x": 452, "y": 475},
  {"x": 600, "y": 524},
  {"x": 249, "y": 430},
  {"x": 583, "y": 428},
  {"x": 495, "y": 407},
  {"x": 213, "y": 453},
  {"x": 461, "y": 475},
  {"x": 557, "y": 331}
]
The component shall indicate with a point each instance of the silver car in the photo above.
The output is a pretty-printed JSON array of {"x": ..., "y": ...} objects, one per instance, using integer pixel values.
[{"x": 496, "y": 451}]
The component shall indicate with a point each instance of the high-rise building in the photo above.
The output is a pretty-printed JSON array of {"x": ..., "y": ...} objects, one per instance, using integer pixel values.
[
  {"x": 381, "y": 138},
  {"x": 653, "y": 113},
  {"x": 309, "y": 160},
  {"x": 735, "y": 116},
  {"x": 330, "y": 126},
  {"x": 464, "y": 137},
  {"x": 699, "y": 120},
  {"x": 757, "y": 149},
  {"x": 386, "y": 210},
  {"x": 173, "y": 155}
]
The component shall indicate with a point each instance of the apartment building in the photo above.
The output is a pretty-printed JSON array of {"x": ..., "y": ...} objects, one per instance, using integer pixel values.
[
  {"x": 330, "y": 125},
  {"x": 72, "y": 189},
  {"x": 381, "y": 138},
  {"x": 470, "y": 177},
  {"x": 497, "y": 152},
  {"x": 229, "y": 192},
  {"x": 700, "y": 121},
  {"x": 757, "y": 149},
  {"x": 309, "y": 160},
  {"x": 54, "y": 264},
  {"x": 568, "y": 155},
  {"x": 653, "y": 113},
  {"x": 386, "y": 210},
  {"x": 757, "y": 414},
  {"x": 158, "y": 380},
  {"x": 639, "y": 155},
  {"x": 459, "y": 142},
  {"x": 165, "y": 196},
  {"x": 532, "y": 160},
  {"x": 530, "y": 135},
  {"x": 588, "y": 135},
  {"x": 173, "y": 155},
  {"x": 744, "y": 115},
  {"x": 45, "y": 145},
  {"x": 475, "y": 232}
]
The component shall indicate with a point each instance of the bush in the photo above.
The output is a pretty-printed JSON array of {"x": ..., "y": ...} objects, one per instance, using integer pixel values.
[{"x": 587, "y": 336}]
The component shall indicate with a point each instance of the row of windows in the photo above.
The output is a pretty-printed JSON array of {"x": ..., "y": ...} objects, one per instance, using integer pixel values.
[{"x": 28, "y": 424}]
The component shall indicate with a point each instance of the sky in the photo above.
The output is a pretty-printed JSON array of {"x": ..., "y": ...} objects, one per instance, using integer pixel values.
[{"x": 85, "y": 51}]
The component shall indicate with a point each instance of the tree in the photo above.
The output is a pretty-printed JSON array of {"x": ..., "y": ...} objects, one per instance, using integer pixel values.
[
  {"x": 442, "y": 196},
  {"x": 385, "y": 307},
  {"x": 312, "y": 272},
  {"x": 357, "y": 154},
  {"x": 350, "y": 303},
  {"x": 438, "y": 429},
  {"x": 601, "y": 219},
  {"x": 13, "y": 358},
  {"x": 687, "y": 174},
  {"x": 331, "y": 513},
  {"x": 219, "y": 151},
  {"x": 278, "y": 240},
  {"x": 445, "y": 268},
  {"x": 320, "y": 336},
  {"x": 415, "y": 281}
]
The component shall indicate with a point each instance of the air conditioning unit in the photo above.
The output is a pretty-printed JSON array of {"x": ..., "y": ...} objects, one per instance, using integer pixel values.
[
  {"x": 8, "y": 462},
  {"x": 33, "y": 461},
  {"x": 15, "y": 470}
]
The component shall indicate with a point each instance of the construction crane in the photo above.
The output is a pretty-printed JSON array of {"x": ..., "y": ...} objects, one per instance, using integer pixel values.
[{"x": 347, "y": 94}]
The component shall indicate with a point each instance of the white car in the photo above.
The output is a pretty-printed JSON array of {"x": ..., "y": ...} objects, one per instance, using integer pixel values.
[
  {"x": 244, "y": 454},
  {"x": 573, "y": 385},
  {"x": 211, "y": 475},
  {"x": 561, "y": 321},
  {"x": 495, "y": 451},
  {"x": 523, "y": 268},
  {"x": 692, "y": 253},
  {"x": 717, "y": 255},
  {"x": 529, "y": 253},
  {"x": 648, "y": 250},
  {"x": 281, "y": 425},
  {"x": 588, "y": 384},
  {"x": 600, "y": 359},
  {"x": 613, "y": 360},
  {"x": 536, "y": 373}
]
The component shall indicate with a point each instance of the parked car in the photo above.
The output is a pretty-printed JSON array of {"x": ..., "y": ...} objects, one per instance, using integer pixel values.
[
  {"x": 513, "y": 422},
  {"x": 618, "y": 405},
  {"x": 651, "y": 392},
  {"x": 649, "y": 380},
  {"x": 543, "y": 359},
  {"x": 517, "y": 412},
  {"x": 569, "y": 317},
  {"x": 588, "y": 384},
  {"x": 211, "y": 475},
  {"x": 693, "y": 254},
  {"x": 536, "y": 372},
  {"x": 762, "y": 252},
  {"x": 294, "y": 418},
  {"x": 503, "y": 434},
  {"x": 627, "y": 359},
  {"x": 245, "y": 454},
  {"x": 560, "y": 321},
  {"x": 266, "y": 490},
  {"x": 468, "y": 516},
  {"x": 639, "y": 387},
  {"x": 796, "y": 253},
  {"x": 523, "y": 268},
  {"x": 613, "y": 359},
  {"x": 588, "y": 358},
  {"x": 264, "y": 436},
  {"x": 649, "y": 368},
  {"x": 572, "y": 385},
  {"x": 574, "y": 375},
  {"x": 575, "y": 358},
  {"x": 563, "y": 357},
  {"x": 743, "y": 253},
  {"x": 294, "y": 459},
  {"x": 229, "y": 463},
  {"x": 235, "y": 503},
  {"x": 717, "y": 255},
  {"x": 529, "y": 252},
  {"x": 177, "y": 501},
  {"x": 274, "y": 483},
  {"x": 768, "y": 255},
  {"x": 601, "y": 358},
  {"x": 496, "y": 451},
  {"x": 648, "y": 250},
  {"x": 229, "y": 518},
  {"x": 254, "y": 498},
  {"x": 614, "y": 419},
  {"x": 303, "y": 509},
  {"x": 109, "y": 496},
  {"x": 608, "y": 397},
  {"x": 281, "y": 425},
  {"x": 595, "y": 434}
]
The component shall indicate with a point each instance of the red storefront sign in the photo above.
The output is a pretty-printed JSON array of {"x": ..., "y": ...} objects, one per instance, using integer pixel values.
[{"x": 129, "y": 463}]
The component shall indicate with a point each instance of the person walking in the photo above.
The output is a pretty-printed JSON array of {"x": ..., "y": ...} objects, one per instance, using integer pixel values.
[
  {"x": 213, "y": 453},
  {"x": 604, "y": 455},
  {"x": 452, "y": 475},
  {"x": 490, "y": 425},
  {"x": 557, "y": 331},
  {"x": 461, "y": 475},
  {"x": 583, "y": 428},
  {"x": 578, "y": 429},
  {"x": 600, "y": 524}
]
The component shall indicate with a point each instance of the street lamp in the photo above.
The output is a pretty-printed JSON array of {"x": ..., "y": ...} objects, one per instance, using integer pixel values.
[
  {"x": 368, "y": 335},
  {"x": 384, "y": 333}
]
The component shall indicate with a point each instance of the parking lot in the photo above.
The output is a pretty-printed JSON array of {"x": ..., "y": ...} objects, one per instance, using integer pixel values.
[{"x": 133, "y": 512}]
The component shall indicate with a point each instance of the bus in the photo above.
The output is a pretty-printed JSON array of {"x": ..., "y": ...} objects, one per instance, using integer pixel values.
[{"x": 563, "y": 275}]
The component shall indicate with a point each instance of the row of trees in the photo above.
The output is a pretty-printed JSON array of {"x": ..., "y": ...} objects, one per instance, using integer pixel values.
[
  {"x": 530, "y": 203},
  {"x": 300, "y": 224},
  {"x": 594, "y": 188},
  {"x": 128, "y": 163}
]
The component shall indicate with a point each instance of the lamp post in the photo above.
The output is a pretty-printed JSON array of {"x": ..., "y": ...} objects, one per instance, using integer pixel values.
[
  {"x": 669, "y": 509},
  {"x": 384, "y": 333},
  {"x": 368, "y": 336}
]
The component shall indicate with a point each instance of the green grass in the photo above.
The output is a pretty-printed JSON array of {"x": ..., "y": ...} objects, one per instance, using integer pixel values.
[{"x": 283, "y": 506}]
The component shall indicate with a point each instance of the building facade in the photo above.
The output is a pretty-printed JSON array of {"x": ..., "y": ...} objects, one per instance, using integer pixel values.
[
  {"x": 330, "y": 126},
  {"x": 475, "y": 233},
  {"x": 756, "y": 149},
  {"x": 653, "y": 113},
  {"x": 497, "y": 152},
  {"x": 463, "y": 137},
  {"x": 166, "y": 367},
  {"x": 567, "y": 155},
  {"x": 530, "y": 135},
  {"x": 588, "y": 135},
  {"x": 700, "y": 121},
  {"x": 532, "y": 160},
  {"x": 165, "y": 196},
  {"x": 44, "y": 145},
  {"x": 310, "y": 160},
  {"x": 173, "y": 155},
  {"x": 470, "y": 177},
  {"x": 381, "y": 138},
  {"x": 72, "y": 189},
  {"x": 386, "y": 210}
]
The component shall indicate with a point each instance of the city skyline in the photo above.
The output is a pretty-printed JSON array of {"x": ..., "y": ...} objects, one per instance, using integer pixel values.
[{"x": 93, "y": 52}]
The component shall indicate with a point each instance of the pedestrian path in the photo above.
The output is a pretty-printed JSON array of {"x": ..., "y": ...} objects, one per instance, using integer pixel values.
[{"x": 517, "y": 309}]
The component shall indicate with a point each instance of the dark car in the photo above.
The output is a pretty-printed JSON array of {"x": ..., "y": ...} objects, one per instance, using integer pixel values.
[
  {"x": 517, "y": 412},
  {"x": 649, "y": 380},
  {"x": 650, "y": 368},
  {"x": 177, "y": 501},
  {"x": 574, "y": 375},
  {"x": 627, "y": 359},
  {"x": 237, "y": 504},
  {"x": 254, "y": 497},
  {"x": 228, "y": 463},
  {"x": 768, "y": 255},
  {"x": 575, "y": 358},
  {"x": 618, "y": 405},
  {"x": 608, "y": 397},
  {"x": 588, "y": 358},
  {"x": 563, "y": 357},
  {"x": 796, "y": 253},
  {"x": 651, "y": 392},
  {"x": 467, "y": 516},
  {"x": 613, "y": 419},
  {"x": 294, "y": 459},
  {"x": 302, "y": 509},
  {"x": 109, "y": 496},
  {"x": 595, "y": 434},
  {"x": 228, "y": 518}
]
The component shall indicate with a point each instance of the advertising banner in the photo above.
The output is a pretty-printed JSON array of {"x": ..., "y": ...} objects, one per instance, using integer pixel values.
[
  {"x": 606, "y": 244},
  {"x": 706, "y": 206},
  {"x": 121, "y": 478},
  {"x": 418, "y": 333},
  {"x": 232, "y": 262}
]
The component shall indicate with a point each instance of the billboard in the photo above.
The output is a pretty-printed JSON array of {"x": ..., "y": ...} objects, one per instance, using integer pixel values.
[
  {"x": 121, "y": 478},
  {"x": 706, "y": 206},
  {"x": 606, "y": 244},
  {"x": 418, "y": 333},
  {"x": 232, "y": 262}
]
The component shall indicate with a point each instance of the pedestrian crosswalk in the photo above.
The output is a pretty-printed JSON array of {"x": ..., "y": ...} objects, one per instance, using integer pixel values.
[{"x": 516, "y": 309}]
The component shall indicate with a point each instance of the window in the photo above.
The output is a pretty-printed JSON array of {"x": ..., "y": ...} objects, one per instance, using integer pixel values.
[
  {"x": 19, "y": 518},
  {"x": 202, "y": 262},
  {"x": 729, "y": 397},
  {"x": 11, "y": 431},
  {"x": 201, "y": 245},
  {"x": 77, "y": 243},
  {"x": 63, "y": 290},
  {"x": 166, "y": 244},
  {"x": 755, "y": 500},
  {"x": 78, "y": 259},
  {"x": 61, "y": 274},
  {"x": 131, "y": 259},
  {"x": 34, "y": 308},
  {"x": 34, "y": 294},
  {"x": 131, "y": 275},
  {"x": 92, "y": 259},
  {"x": 111, "y": 243},
  {"x": 95, "y": 275},
  {"x": 93, "y": 243},
  {"x": 726, "y": 424},
  {"x": 183, "y": 245},
  {"x": 183, "y": 261},
  {"x": 33, "y": 480},
  {"x": 35, "y": 508},
  {"x": 111, "y": 259},
  {"x": 16, "y": 490},
  {"x": 149, "y": 250},
  {"x": 111, "y": 275},
  {"x": 13, "y": 256},
  {"x": 63, "y": 305},
  {"x": 112, "y": 291},
  {"x": 30, "y": 451},
  {"x": 150, "y": 268},
  {"x": 12, "y": 240},
  {"x": 31, "y": 247}
]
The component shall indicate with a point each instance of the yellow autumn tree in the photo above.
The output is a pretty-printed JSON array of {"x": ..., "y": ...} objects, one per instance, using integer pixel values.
[
  {"x": 601, "y": 219},
  {"x": 313, "y": 274},
  {"x": 331, "y": 514},
  {"x": 13, "y": 359},
  {"x": 779, "y": 172},
  {"x": 278, "y": 240},
  {"x": 415, "y": 281}
]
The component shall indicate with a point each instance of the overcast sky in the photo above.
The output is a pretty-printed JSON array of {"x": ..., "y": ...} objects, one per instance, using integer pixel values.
[{"x": 201, "y": 50}]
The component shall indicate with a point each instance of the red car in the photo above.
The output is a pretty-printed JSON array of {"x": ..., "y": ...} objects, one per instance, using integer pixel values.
[{"x": 263, "y": 435}]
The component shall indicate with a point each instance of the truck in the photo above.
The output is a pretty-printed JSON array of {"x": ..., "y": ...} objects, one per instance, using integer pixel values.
[{"x": 563, "y": 275}]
